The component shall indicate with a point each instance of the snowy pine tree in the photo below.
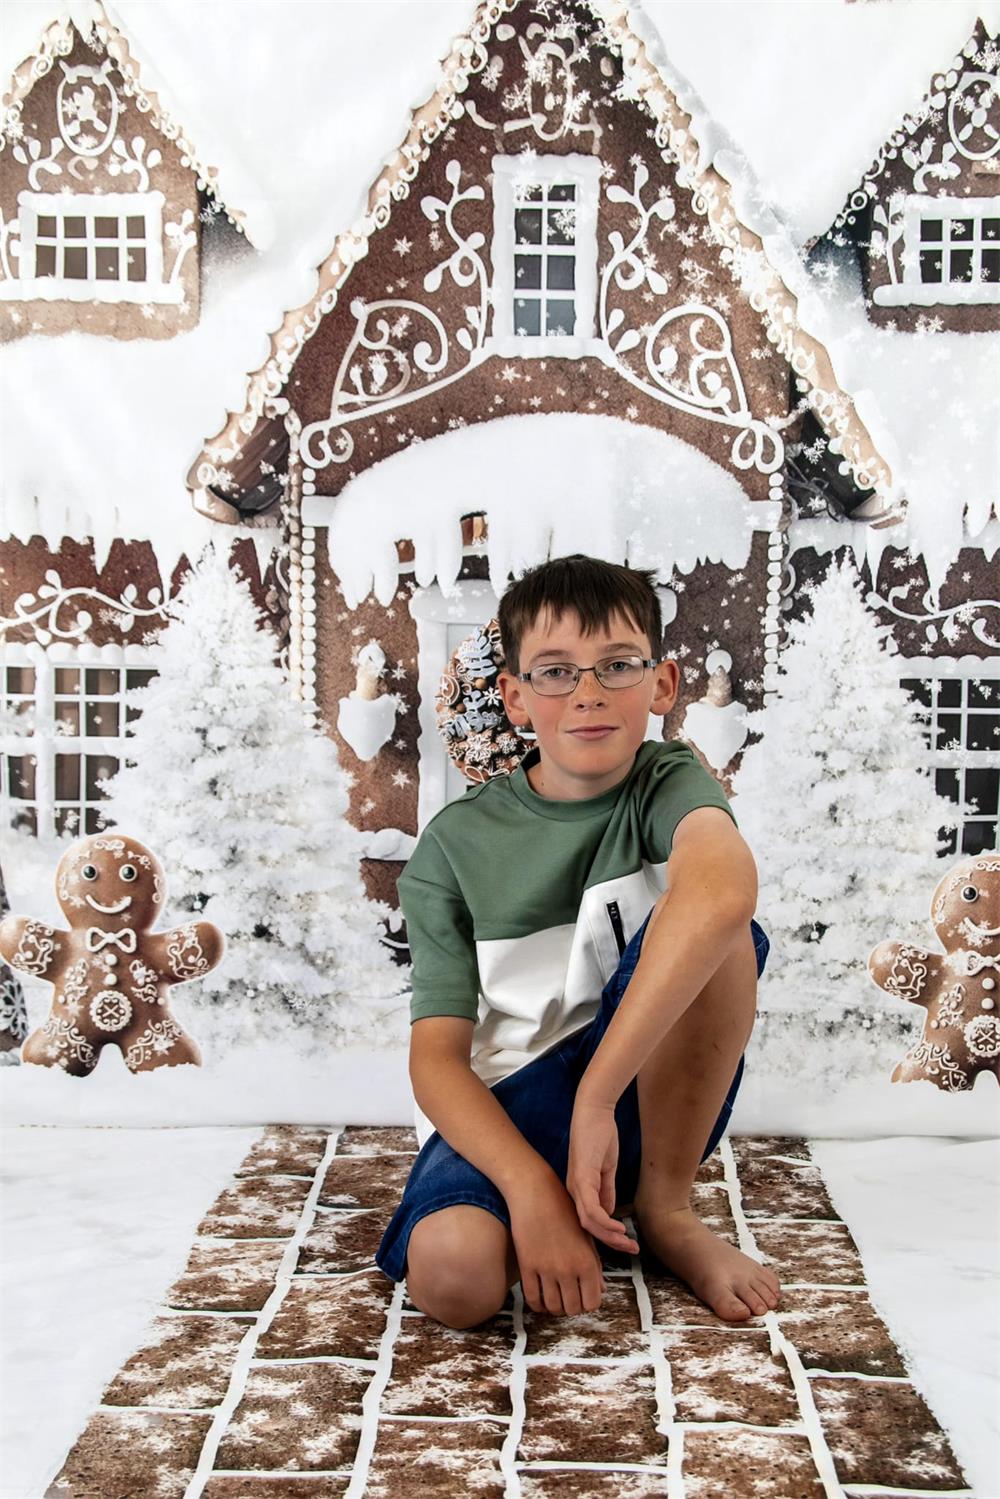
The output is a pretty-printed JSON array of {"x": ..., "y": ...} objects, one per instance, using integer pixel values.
[
  {"x": 836, "y": 800},
  {"x": 246, "y": 806}
]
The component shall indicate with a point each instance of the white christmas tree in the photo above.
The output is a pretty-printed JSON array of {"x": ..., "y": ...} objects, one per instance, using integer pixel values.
[
  {"x": 837, "y": 801},
  {"x": 245, "y": 806}
]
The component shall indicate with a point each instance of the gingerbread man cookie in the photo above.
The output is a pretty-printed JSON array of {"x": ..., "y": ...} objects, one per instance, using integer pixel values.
[
  {"x": 961, "y": 990},
  {"x": 110, "y": 973}
]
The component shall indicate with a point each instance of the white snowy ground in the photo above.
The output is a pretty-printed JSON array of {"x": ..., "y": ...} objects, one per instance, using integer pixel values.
[{"x": 96, "y": 1224}]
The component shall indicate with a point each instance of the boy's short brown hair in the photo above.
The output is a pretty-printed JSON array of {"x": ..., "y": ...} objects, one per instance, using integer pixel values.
[{"x": 590, "y": 588}]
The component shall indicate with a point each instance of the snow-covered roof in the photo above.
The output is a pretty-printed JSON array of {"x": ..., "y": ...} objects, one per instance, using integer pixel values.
[
  {"x": 809, "y": 91},
  {"x": 619, "y": 490},
  {"x": 931, "y": 401},
  {"x": 755, "y": 240},
  {"x": 93, "y": 19}
]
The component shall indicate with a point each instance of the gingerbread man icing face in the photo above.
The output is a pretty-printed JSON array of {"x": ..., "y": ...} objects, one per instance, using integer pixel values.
[
  {"x": 110, "y": 882},
  {"x": 966, "y": 907},
  {"x": 110, "y": 973}
]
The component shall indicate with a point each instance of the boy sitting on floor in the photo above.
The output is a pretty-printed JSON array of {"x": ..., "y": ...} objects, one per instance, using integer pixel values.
[{"x": 605, "y": 861}]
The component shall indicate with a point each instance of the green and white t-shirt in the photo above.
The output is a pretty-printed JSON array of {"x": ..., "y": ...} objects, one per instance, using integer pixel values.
[{"x": 518, "y": 907}]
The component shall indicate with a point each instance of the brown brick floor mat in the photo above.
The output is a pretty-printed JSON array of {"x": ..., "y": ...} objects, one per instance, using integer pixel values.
[{"x": 285, "y": 1365}]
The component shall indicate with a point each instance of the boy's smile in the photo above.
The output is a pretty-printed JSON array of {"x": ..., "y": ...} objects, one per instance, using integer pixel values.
[{"x": 587, "y": 738}]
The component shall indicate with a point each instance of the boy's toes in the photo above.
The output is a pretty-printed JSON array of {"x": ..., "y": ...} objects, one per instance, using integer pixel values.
[
  {"x": 732, "y": 1307},
  {"x": 766, "y": 1292}
]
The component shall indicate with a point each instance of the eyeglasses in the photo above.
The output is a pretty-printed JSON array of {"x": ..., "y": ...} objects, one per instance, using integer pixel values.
[{"x": 559, "y": 677}]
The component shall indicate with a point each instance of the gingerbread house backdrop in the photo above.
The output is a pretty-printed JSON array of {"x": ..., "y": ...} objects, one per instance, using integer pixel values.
[{"x": 563, "y": 316}]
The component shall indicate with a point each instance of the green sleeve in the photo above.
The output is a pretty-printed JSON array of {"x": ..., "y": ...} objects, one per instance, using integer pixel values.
[
  {"x": 676, "y": 784},
  {"x": 445, "y": 976}
]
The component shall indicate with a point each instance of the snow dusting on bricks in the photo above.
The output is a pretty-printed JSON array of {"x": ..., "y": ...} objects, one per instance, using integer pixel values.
[
  {"x": 185, "y": 1362},
  {"x": 293, "y": 1368}
]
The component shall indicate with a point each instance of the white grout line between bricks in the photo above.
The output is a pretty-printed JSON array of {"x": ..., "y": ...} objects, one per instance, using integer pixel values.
[
  {"x": 663, "y": 1377},
  {"x": 518, "y": 1380},
  {"x": 779, "y": 1343},
  {"x": 244, "y": 1356}
]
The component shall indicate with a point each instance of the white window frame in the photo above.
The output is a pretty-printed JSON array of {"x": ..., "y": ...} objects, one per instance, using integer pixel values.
[
  {"x": 584, "y": 172},
  {"x": 912, "y": 290},
  {"x": 44, "y": 743},
  {"x": 28, "y": 285},
  {"x": 959, "y": 760}
]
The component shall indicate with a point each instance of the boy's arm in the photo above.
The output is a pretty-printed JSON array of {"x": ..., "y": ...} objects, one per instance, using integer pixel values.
[
  {"x": 711, "y": 896},
  {"x": 463, "y": 1110}
]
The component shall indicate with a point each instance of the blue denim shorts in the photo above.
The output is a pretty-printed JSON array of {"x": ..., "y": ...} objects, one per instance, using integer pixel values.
[{"x": 539, "y": 1099}]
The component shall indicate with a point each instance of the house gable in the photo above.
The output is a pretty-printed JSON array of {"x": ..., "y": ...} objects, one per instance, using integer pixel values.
[
  {"x": 926, "y": 215},
  {"x": 689, "y": 318},
  {"x": 102, "y": 200}
]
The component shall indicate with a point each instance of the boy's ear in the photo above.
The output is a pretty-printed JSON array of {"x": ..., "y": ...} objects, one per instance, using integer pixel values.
[
  {"x": 511, "y": 690},
  {"x": 668, "y": 680}
]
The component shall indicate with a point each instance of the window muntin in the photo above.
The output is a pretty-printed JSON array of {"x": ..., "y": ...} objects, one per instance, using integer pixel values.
[
  {"x": 949, "y": 254},
  {"x": 49, "y": 779},
  {"x": 961, "y": 717},
  {"x": 105, "y": 247},
  {"x": 544, "y": 252}
]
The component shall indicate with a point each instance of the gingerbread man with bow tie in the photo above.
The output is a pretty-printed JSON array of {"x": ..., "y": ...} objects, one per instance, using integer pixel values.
[
  {"x": 109, "y": 972},
  {"x": 959, "y": 989}
]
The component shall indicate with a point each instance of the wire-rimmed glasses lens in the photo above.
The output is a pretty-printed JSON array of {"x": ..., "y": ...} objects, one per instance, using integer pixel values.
[{"x": 557, "y": 677}]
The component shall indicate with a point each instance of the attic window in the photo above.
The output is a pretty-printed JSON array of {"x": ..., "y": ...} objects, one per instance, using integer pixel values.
[
  {"x": 951, "y": 253},
  {"x": 105, "y": 247},
  {"x": 544, "y": 255}
]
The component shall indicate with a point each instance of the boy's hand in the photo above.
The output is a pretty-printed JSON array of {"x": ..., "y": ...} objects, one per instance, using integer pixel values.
[
  {"x": 590, "y": 1175},
  {"x": 560, "y": 1267}
]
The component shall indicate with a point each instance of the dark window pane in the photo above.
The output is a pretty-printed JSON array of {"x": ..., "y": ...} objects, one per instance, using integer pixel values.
[
  {"x": 47, "y": 226},
  {"x": 531, "y": 194},
  {"x": 21, "y": 773},
  {"x": 136, "y": 265},
  {"x": 102, "y": 681},
  {"x": 950, "y": 843},
  {"x": 984, "y": 692},
  {"x": 562, "y": 192},
  {"x": 979, "y": 837},
  {"x": 983, "y": 731},
  {"x": 982, "y": 787},
  {"x": 21, "y": 679},
  {"x": 930, "y": 265},
  {"x": 75, "y": 264},
  {"x": 75, "y": 228},
  {"x": 528, "y": 226},
  {"x": 106, "y": 228},
  {"x": 94, "y": 820},
  {"x": 946, "y": 783},
  {"x": 135, "y": 226},
  {"x": 102, "y": 718},
  {"x": 106, "y": 262},
  {"x": 961, "y": 229},
  {"x": 527, "y": 316},
  {"x": 949, "y": 730},
  {"x": 949, "y": 692},
  {"x": 528, "y": 272},
  {"x": 991, "y": 265},
  {"x": 991, "y": 229},
  {"x": 919, "y": 688},
  {"x": 560, "y": 317},
  {"x": 99, "y": 768},
  {"x": 930, "y": 229},
  {"x": 139, "y": 676},
  {"x": 561, "y": 272},
  {"x": 961, "y": 266},
  {"x": 67, "y": 778},
  {"x": 561, "y": 226},
  {"x": 26, "y": 818},
  {"x": 45, "y": 260},
  {"x": 67, "y": 679},
  {"x": 68, "y": 718},
  {"x": 67, "y": 819}
]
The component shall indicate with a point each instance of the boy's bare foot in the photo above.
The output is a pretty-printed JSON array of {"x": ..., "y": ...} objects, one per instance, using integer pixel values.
[{"x": 733, "y": 1285}]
